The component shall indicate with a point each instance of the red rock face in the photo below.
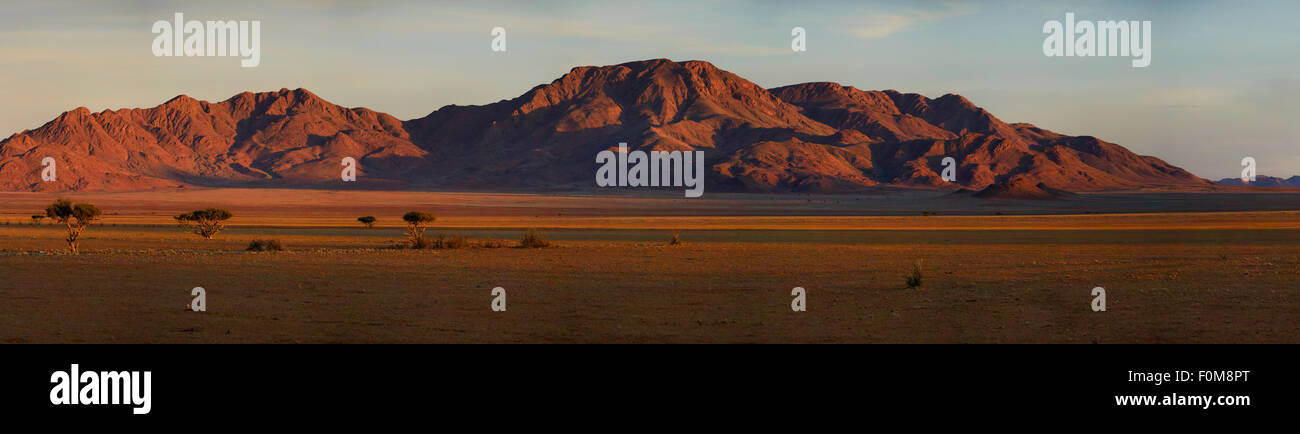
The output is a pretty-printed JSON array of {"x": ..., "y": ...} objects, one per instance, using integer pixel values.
[
  {"x": 805, "y": 137},
  {"x": 288, "y": 137},
  {"x": 909, "y": 134}
]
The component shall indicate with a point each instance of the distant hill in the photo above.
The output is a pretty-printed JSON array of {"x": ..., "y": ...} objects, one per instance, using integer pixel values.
[{"x": 1263, "y": 181}]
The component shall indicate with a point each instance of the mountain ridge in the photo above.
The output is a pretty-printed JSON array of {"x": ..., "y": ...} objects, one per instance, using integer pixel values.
[{"x": 816, "y": 136}]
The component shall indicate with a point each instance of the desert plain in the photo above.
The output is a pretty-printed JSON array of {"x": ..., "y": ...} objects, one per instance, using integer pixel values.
[{"x": 1176, "y": 268}]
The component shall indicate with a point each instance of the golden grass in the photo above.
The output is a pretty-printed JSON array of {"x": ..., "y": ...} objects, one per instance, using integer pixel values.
[
  {"x": 994, "y": 286},
  {"x": 1170, "y": 277}
]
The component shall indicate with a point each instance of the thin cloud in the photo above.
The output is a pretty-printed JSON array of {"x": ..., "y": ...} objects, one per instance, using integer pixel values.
[
  {"x": 1189, "y": 97},
  {"x": 882, "y": 25},
  {"x": 587, "y": 29},
  {"x": 539, "y": 26}
]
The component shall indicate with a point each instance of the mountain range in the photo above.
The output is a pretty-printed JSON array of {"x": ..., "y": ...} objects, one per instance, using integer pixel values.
[
  {"x": 1263, "y": 181},
  {"x": 810, "y": 137}
]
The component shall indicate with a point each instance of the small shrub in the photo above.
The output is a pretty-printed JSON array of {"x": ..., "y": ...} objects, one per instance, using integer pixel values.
[
  {"x": 492, "y": 244},
  {"x": 454, "y": 242},
  {"x": 914, "y": 279},
  {"x": 676, "y": 239},
  {"x": 445, "y": 242},
  {"x": 533, "y": 239},
  {"x": 265, "y": 246},
  {"x": 420, "y": 243}
]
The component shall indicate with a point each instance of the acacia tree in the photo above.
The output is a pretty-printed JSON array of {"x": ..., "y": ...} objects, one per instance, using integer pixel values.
[
  {"x": 369, "y": 221},
  {"x": 205, "y": 222},
  {"x": 415, "y": 222},
  {"x": 77, "y": 217}
]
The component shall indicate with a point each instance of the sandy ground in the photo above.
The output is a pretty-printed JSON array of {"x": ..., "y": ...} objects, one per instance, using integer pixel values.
[{"x": 1169, "y": 277}]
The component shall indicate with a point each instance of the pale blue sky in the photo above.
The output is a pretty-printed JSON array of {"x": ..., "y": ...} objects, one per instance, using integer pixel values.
[{"x": 1224, "y": 80}]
